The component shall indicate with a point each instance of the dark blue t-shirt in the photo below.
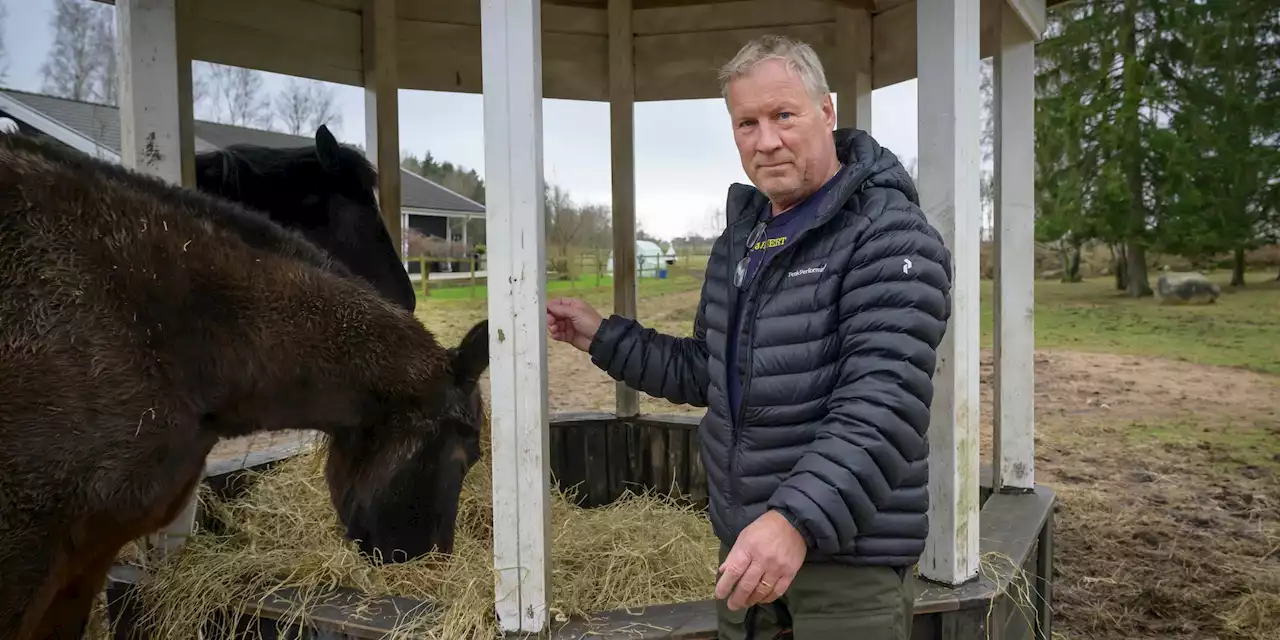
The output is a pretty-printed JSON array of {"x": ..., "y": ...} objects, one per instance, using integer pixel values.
[{"x": 780, "y": 230}]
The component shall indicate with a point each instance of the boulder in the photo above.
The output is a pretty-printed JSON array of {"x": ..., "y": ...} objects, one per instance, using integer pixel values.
[{"x": 1190, "y": 287}]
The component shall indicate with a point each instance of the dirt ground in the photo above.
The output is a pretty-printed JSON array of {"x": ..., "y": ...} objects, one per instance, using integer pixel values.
[{"x": 1168, "y": 477}]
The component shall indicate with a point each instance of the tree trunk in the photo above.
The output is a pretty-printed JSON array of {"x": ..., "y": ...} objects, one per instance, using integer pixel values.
[
  {"x": 1120, "y": 265},
  {"x": 1139, "y": 286},
  {"x": 1132, "y": 153},
  {"x": 1065, "y": 257},
  {"x": 1237, "y": 271},
  {"x": 1071, "y": 264}
]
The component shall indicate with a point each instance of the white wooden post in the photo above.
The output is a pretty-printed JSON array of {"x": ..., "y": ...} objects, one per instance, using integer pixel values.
[
  {"x": 853, "y": 81},
  {"x": 1014, "y": 78},
  {"x": 156, "y": 130},
  {"x": 947, "y": 42},
  {"x": 382, "y": 111},
  {"x": 511, "y": 51},
  {"x": 623, "y": 166},
  {"x": 404, "y": 237}
]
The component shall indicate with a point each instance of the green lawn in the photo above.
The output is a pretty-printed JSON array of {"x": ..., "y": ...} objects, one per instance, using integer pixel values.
[
  {"x": 1241, "y": 329},
  {"x": 582, "y": 287}
]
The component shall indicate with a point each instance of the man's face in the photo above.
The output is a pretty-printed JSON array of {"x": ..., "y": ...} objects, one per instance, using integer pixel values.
[{"x": 783, "y": 138}]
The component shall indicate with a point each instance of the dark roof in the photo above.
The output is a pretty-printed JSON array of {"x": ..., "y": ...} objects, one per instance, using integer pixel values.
[{"x": 101, "y": 124}]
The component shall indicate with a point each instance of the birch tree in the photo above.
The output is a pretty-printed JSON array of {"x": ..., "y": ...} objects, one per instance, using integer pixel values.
[
  {"x": 81, "y": 64},
  {"x": 302, "y": 106}
]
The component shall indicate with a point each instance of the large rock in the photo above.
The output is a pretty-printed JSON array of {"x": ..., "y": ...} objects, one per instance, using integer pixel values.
[{"x": 1186, "y": 288}]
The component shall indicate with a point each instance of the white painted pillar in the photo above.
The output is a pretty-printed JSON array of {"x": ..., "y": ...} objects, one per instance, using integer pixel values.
[
  {"x": 156, "y": 121},
  {"x": 623, "y": 165},
  {"x": 511, "y": 49},
  {"x": 947, "y": 41},
  {"x": 382, "y": 111},
  {"x": 404, "y": 237},
  {"x": 156, "y": 130},
  {"x": 854, "y": 49},
  {"x": 1014, "y": 76}
]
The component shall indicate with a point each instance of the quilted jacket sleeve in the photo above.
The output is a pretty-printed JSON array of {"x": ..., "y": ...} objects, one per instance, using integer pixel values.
[
  {"x": 660, "y": 365},
  {"x": 894, "y": 306}
]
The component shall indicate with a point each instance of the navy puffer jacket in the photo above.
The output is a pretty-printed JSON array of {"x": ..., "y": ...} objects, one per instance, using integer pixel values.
[{"x": 837, "y": 353}]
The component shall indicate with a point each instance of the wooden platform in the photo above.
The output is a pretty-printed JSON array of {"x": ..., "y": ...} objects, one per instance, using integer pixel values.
[
  {"x": 238, "y": 453},
  {"x": 1016, "y": 540}
]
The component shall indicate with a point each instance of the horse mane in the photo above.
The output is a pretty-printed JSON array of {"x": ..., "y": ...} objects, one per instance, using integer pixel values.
[
  {"x": 255, "y": 229},
  {"x": 272, "y": 161}
]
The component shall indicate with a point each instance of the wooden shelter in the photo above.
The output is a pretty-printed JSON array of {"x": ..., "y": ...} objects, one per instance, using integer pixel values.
[{"x": 518, "y": 51}]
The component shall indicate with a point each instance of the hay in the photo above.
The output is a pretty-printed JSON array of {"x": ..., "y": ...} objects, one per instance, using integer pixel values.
[{"x": 641, "y": 550}]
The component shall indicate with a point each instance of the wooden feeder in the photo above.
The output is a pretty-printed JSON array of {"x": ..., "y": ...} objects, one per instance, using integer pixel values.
[{"x": 516, "y": 52}]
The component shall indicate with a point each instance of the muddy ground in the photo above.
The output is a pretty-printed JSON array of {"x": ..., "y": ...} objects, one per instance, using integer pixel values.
[{"x": 1168, "y": 475}]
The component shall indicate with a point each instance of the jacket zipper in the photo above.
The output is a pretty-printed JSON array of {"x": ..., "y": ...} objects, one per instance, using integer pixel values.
[{"x": 745, "y": 380}]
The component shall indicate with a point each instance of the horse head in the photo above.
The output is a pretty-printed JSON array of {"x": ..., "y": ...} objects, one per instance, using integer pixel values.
[
  {"x": 327, "y": 192},
  {"x": 413, "y": 508}
]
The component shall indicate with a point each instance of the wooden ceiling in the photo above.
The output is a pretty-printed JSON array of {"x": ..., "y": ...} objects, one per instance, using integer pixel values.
[{"x": 677, "y": 44}]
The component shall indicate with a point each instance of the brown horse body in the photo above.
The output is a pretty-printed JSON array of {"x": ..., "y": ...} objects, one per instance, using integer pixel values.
[{"x": 136, "y": 330}]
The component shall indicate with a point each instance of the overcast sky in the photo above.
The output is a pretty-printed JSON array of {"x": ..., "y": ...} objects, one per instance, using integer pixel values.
[{"x": 685, "y": 158}]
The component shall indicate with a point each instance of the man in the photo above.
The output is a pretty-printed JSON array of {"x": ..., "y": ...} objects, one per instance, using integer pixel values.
[{"x": 813, "y": 350}]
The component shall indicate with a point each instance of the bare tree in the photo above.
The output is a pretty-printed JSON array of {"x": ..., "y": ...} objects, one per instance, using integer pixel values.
[
  {"x": 103, "y": 41},
  {"x": 202, "y": 90},
  {"x": 563, "y": 222},
  {"x": 239, "y": 91},
  {"x": 304, "y": 106},
  {"x": 4, "y": 52},
  {"x": 986, "y": 143},
  {"x": 913, "y": 170},
  {"x": 324, "y": 109},
  {"x": 76, "y": 61},
  {"x": 713, "y": 222},
  {"x": 293, "y": 106}
]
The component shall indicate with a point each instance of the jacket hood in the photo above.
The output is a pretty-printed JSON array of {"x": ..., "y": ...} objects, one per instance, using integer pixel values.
[
  {"x": 866, "y": 165},
  {"x": 856, "y": 148}
]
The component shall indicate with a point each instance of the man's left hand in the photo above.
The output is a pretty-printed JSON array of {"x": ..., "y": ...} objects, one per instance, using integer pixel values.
[{"x": 762, "y": 563}]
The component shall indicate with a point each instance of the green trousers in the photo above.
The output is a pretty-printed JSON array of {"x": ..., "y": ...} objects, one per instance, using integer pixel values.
[{"x": 828, "y": 601}]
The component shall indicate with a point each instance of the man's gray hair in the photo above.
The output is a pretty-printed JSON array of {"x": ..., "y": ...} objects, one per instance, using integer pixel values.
[{"x": 799, "y": 56}]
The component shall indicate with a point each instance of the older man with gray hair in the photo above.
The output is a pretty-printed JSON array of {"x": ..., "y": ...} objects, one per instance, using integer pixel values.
[{"x": 813, "y": 350}]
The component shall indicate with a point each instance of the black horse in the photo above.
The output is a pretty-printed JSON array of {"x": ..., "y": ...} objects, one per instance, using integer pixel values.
[{"x": 326, "y": 192}]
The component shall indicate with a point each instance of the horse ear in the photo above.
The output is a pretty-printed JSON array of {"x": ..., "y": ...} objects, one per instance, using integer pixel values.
[
  {"x": 327, "y": 149},
  {"x": 471, "y": 356}
]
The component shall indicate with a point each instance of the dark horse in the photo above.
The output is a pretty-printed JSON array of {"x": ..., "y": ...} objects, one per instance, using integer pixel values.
[
  {"x": 140, "y": 323},
  {"x": 326, "y": 192}
]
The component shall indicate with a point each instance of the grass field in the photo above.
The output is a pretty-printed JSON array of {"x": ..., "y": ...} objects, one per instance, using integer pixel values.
[
  {"x": 1242, "y": 329},
  {"x": 1158, "y": 426}
]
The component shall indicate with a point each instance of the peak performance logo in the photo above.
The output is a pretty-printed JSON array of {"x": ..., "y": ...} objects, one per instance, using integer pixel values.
[{"x": 805, "y": 272}]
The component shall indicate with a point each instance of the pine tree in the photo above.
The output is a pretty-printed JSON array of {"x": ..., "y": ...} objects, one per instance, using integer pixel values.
[
  {"x": 1221, "y": 149},
  {"x": 1094, "y": 118}
]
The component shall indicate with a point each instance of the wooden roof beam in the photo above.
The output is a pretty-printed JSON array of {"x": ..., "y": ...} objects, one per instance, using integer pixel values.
[
  {"x": 867, "y": 5},
  {"x": 1031, "y": 13}
]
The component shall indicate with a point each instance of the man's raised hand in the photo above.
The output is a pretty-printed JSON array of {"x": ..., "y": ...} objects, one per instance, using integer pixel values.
[{"x": 573, "y": 321}]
